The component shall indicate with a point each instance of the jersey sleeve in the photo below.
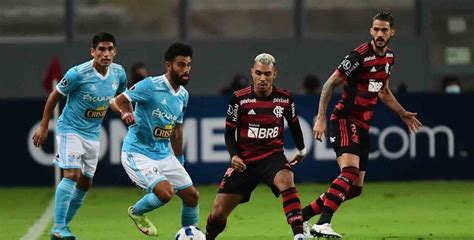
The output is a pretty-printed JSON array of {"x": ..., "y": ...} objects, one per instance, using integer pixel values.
[
  {"x": 69, "y": 83},
  {"x": 290, "y": 113},
  {"x": 184, "y": 108},
  {"x": 123, "y": 81},
  {"x": 140, "y": 92},
  {"x": 349, "y": 65},
  {"x": 232, "y": 118}
]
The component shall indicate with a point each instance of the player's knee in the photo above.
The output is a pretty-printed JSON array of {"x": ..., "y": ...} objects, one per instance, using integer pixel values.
[
  {"x": 164, "y": 195},
  {"x": 192, "y": 198},
  {"x": 284, "y": 180},
  {"x": 73, "y": 174}
]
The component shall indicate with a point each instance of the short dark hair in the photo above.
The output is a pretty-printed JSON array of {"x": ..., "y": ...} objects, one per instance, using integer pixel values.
[
  {"x": 178, "y": 49},
  {"x": 385, "y": 16},
  {"x": 102, "y": 37}
]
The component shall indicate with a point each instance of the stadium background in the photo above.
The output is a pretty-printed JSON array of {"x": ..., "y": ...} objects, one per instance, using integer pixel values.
[{"x": 434, "y": 39}]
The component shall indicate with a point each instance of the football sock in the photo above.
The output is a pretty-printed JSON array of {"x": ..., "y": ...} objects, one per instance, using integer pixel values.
[
  {"x": 314, "y": 208},
  {"x": 214, "y": 227},
  {"x": 149, "y": 202},
  {"x": 337, "y": 192},
  {"x": 292, "y": 208},
  {"x": 62, "y": 199},
  {"x": 77, "y": 199},
  {"x": 353, "y": 192},
  {"x": 189, "y": 215}
]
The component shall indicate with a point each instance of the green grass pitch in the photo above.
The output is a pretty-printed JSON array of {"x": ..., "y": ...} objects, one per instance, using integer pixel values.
[{"x": 395, "y": 210}]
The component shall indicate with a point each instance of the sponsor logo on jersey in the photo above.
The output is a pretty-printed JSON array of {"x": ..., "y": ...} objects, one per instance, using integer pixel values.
[
  {"x": 346, "y": 64},
  {"x": 281, "y": 100},
  {"x": 92, "y": 87},
  {"x": 92, "y": 98},
  {"x": 251, "y": 112},
  {"x": 99, "y": 112},
  {"x": 230, "y": 110},
  {"x": 387, "y": 68},
  {"x": 374, "y": 86},
  {"x": 247, "y": 100},
  {"x": 235, "y": 113},
  {"x": 370, "y": 58},
  {"x": 262, "y": 133},
  {"x": 350, "y": 69},
  {"x": 64, "y": 82},
  {"x": 165, "y": 132},
  {"x": 161, "y": 114},
  {"x": 373, "y": 69},
  {"x": 278, "y": 111}
]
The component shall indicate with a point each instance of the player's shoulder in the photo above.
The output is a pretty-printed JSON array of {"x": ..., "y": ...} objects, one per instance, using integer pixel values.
[
  {"x": 281, "y": 92},
  {"x": 83, "y": 68},
  {"x": 362, "y": 48},
  {"x": 243, "y": 92},
  {"x": 117, "y": 67}
]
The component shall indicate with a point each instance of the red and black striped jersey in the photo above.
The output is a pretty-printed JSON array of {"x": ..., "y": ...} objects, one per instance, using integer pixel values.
[
  {"x": 364, "y": 74},
  {"x": 259, "y": 121}
]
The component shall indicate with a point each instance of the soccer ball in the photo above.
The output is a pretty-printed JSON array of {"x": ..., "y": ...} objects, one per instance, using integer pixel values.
[{"x": 190, "y": 233}]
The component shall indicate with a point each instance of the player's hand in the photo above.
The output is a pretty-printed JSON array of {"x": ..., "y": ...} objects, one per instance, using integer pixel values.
[
  {"x": 296, "y": 159},
  {"x": 409, "y": 118},
  {"x": 40, "y": 136},
  {"x": 319, "y": 128},
  {"x": 128, "y": 118},
  {"x": 237, "y": 164}
]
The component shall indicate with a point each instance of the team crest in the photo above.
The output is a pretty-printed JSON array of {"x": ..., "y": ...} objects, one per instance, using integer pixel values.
[
  {"x": 278, "y": 111},
  {"x": 114, "y": 85}
]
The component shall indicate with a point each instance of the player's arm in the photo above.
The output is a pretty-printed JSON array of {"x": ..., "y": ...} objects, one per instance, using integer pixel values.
[
  {"x": 295, "y": 129},
  {"x": 231, "y": 124},
  {"x": 409, "y": 118},
  {"x": 42, "y": 132},
  {"x": 236, "y": 162},
  {"x": 326, "y": 94},
  {"x": 177, "y": 142},
  {"x": 122, "y": 105}
]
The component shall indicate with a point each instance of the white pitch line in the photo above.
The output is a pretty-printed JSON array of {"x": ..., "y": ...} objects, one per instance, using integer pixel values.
[{"x": 35, "y": 231}]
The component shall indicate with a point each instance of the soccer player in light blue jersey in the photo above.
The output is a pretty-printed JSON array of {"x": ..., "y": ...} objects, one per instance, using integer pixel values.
[
  {"x": 89, "y": 87},
  {"x": 158, "y": 120}
]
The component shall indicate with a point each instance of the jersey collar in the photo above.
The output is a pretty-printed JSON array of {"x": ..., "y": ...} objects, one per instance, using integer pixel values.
[
  {"x": 167, "y": 81},
  {"x": 98, "y": 74}
]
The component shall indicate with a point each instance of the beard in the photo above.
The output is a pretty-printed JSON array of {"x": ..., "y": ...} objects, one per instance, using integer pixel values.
[
  {"x": 178, "y": 79},
  {"x": 385, "y": 42}
]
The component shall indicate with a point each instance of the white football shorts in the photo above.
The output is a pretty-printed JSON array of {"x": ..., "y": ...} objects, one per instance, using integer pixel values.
[
  {"x": 76, "y": 152},
  {"x": 146, "y": 172}
]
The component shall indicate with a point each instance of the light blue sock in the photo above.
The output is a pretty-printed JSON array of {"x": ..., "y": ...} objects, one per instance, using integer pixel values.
[
  {"x": 77, "y": 199},
  {"x": 189, "y": 215},
  {"x": 61, "y": 202},
  {"x": 147, "y": 204}
]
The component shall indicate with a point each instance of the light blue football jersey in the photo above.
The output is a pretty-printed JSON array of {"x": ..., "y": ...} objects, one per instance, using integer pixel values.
[
  {"x": 88, "y": 94},
  {"x": 158, "y": 108}
]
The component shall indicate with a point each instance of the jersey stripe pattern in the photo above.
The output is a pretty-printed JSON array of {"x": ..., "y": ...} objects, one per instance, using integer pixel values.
[
  {"x": 260, "y": 121},
  {"x": 364, "y": 73}
]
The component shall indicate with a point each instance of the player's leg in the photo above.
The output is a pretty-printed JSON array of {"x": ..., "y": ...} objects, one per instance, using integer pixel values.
[
  {"x": 183, "y": 185},
  {"x": 277, "y": 173},
  {"x": 236, "y": 187},
  {"x": 68, "y": 158},
  {"x": 84, "y": 183},
  {"x": 158, "y": 187},
  {"x": 223, "y": 206},
  {"x": 348, "y": 149}
]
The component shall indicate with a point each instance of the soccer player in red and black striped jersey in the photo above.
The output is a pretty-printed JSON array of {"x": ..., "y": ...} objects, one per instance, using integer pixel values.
[
  {"x": 256, "y": 116},
  {"x": 365, "y": 74}
]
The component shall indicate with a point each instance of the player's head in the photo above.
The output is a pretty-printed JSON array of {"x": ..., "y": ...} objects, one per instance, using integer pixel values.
[
  {"x": 103, "y": 49},
  {"x": 382, "y": 29},
  {"x": 178, "y": 62},
  {"x": 263, "y": 73}
]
